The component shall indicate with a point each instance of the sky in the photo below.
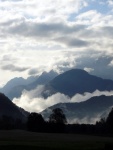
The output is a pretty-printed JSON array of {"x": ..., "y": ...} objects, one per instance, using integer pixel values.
[{"x": 41, "y": 35}]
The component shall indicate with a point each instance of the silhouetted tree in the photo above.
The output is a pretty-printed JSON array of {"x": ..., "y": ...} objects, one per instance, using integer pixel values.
[
  {"x": 57, "y": 120},
  {"x": 109, "y": 121},
  {"x": 57, "y": 116},
  {"x": 100, "y": 126},
  {"x": 35, "y": 122}
]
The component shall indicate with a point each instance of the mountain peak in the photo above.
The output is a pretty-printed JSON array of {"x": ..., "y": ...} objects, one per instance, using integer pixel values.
[
  {"x": 78, "y": 81},
  {"x": 76, "y": 72}
]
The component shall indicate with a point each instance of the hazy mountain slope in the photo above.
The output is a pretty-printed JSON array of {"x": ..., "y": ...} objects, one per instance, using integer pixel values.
[
  {"x": 17, "y": 82},
  {"x": 77, "y": 81},
  {"x": 87, "y": 111},
  {"x": 9, "y": 109},
  {"x": 12, "y": 83},
  {"x": 44, "y": 78}
]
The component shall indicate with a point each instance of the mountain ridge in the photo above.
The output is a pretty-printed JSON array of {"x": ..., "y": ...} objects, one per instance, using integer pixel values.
[
  {"x": 94, "y": 108},
  {"x": 12, "y": 90},
  {"x": 77, "y": 81},
  {"x": 8, "y": 108}
]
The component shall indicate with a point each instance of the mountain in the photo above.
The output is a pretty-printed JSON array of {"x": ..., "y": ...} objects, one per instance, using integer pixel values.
[
  {"x": 43, "y": 79},
  {"x": 8, "y": 108},
  {"x": 77, "y": 81},
  {"x": 12, "y": 83},
  {"x": 14, "y": 89},
  {"x": 84, "y": 112},
  {"x": 18, "y": 81}
]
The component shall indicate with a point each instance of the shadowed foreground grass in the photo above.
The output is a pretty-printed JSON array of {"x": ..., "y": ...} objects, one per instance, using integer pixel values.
[{"x": 18, "y": 140}]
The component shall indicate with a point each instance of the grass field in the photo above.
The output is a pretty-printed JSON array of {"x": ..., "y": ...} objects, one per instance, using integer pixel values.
[{"x": 23, "y": 140}]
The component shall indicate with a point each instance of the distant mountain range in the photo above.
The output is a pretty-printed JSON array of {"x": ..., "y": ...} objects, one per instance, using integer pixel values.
[
  {"x": 15, "y": 86},
  {"x": 7, "y": 108},
  {"x": 17, "y": 82},
  {"x": 84, "y": 112},
  {"x": 76, "y": 81},
  {"x": 69, "y": 83}
]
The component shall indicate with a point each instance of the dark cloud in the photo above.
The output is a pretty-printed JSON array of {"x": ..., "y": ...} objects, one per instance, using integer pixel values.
[
  {"x": 73, "y": 42},
  {"x": 108, "y": 31},
  {"x": 33, "y": 71},
  {"x": 12, "y": 67},
  {"x": 76, "y": 35},
  {"x": 41, "y": 30},
  {"x": 100, "y": 64},
  {"x": 8, "y": 58}
]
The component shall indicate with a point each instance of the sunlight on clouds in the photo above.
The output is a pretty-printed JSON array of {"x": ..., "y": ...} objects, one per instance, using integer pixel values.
[{"x": 43, "y": 9}]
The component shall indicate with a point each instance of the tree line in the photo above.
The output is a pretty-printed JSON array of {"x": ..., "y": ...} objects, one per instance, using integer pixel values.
[{"x": 57, "y": 122}]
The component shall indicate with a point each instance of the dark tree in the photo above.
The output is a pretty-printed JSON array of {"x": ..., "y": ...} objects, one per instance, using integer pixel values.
[
  {"x": 57, "y": 121},
  {"x": 109, "y": 121},
  {"x": 110, "y": 118},
  {"x": 35, "y": 122},
  {"x": 57, "y": 116}
]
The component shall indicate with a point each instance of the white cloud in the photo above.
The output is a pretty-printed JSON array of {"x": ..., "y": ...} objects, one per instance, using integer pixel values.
[
  {"x": 86, "y": 95},
  {"x": 86, "y": 120},
  {"x": 110, "y": 2},
  {"x": 111, "y": 63},
  {"x": 88, "y": 69},
  {"x": 33, "y": 101},
  {"x": 43, "y": 10}
]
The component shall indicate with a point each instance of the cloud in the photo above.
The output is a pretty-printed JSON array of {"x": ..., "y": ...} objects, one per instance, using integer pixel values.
[
  {"x": 57, "y": 35},
  {"x": 12, "y": 67},
  {"x": 72, "y": 42},
  {"x": 34, "y": 102},
  {"x": 58, "y": 31},
  {"x": 58, "y": 60},
  {"x": 88, "y": 69},
  {"x": 91, "y": 120},
  {"x": 85, "y": 120},
  {"x": 11, "y": 0},
  {"x": 37, "y": 36},
  {"x": 33, "y": 71},
  {"x": 45, "y": 31},
  {"x": 86, "y": 95},
  {"x": 110, "y": 2}
]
